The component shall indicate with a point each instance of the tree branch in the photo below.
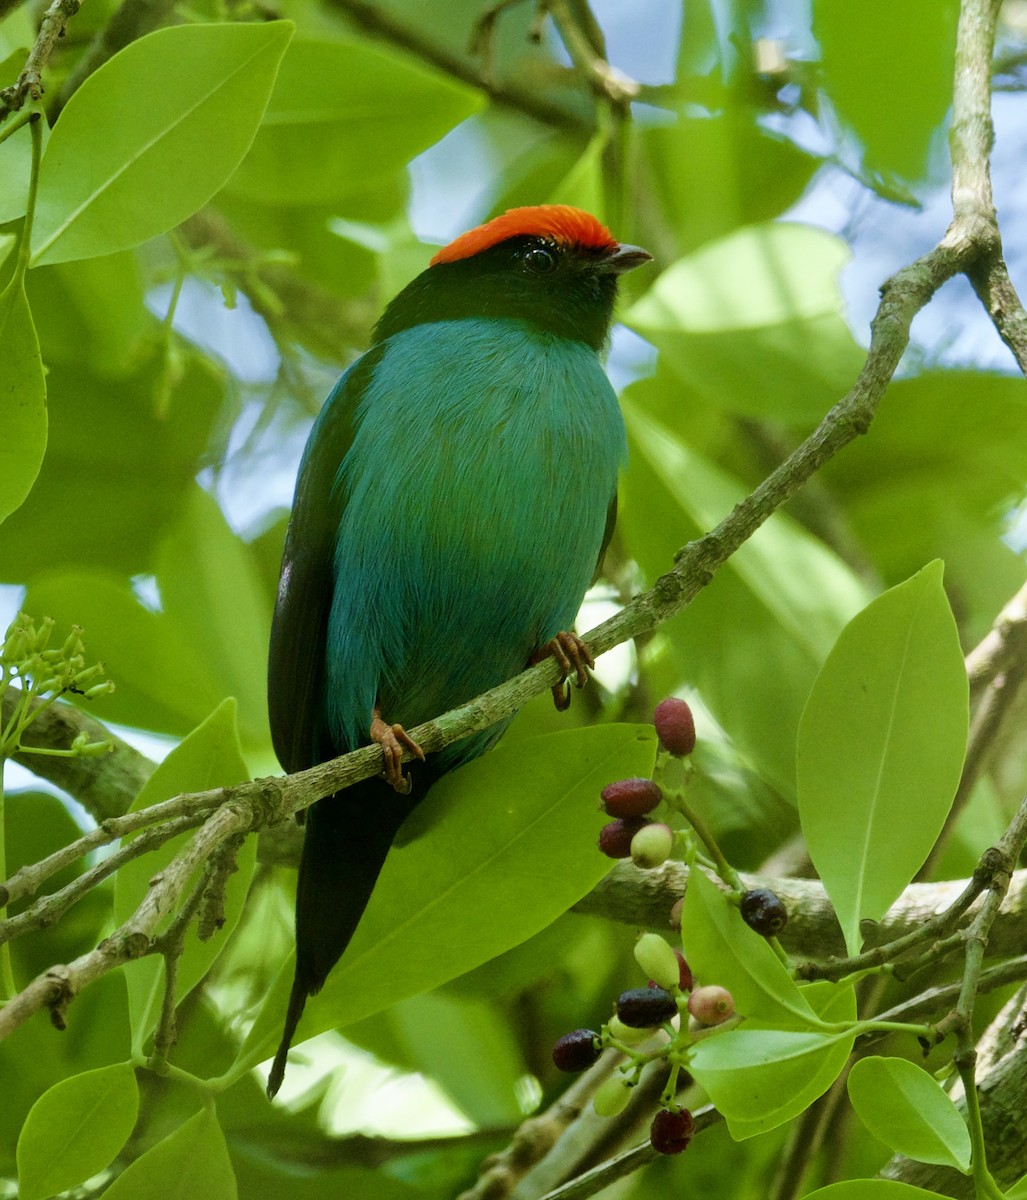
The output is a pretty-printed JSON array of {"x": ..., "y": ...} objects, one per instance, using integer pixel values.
[{"x": 29, "y": 84}]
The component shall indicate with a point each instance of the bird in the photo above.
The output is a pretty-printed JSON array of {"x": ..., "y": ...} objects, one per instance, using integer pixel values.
[{"x": 453, "y": 504}]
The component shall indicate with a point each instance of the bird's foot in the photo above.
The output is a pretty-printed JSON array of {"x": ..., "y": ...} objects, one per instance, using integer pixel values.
[
  {"x": 393, "y": 740},
  {"x": 573, "y": 655}
]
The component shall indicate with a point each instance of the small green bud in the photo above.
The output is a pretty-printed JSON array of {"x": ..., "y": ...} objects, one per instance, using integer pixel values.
[
  {"x": 657, "y": 960},
  {"x": 612, "y": 1096},
  {"x": 104, "y": 688}
]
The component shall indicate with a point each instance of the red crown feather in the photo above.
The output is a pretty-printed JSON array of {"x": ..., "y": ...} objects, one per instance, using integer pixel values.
[{"x": 571, "y": 226}]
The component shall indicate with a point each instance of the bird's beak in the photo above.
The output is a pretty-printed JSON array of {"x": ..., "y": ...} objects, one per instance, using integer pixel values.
[{"x": 623, "y": 258}]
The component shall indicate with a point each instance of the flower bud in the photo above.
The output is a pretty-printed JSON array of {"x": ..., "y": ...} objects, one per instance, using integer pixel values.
[
  {"x": 675, "y": 726},
  {"x": 651, "y": 846},
  {"x": 630, "y": 797}
]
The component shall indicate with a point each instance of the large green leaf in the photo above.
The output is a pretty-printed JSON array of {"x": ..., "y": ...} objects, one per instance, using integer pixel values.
[
  {"x": 870, "y": 1189},
  {"x": 115, "y": 473},
  {"x": 760, "y": 1078},
  {"x": 773, "y": 612},
  {"x": 721, "y": 949},
  {"x": 909, "y": 1111},
  {"x": 880, "y": 748},
  {"x": 754, "y": 321},
  {"x": 149, "y": 137},
  {"x": 190, "y": 1162},
  {"x": 22, "y": 399},
  {"x": 211, "y": 588},
  {"x": 75, "y": 1129},
  {"x": 495, "y": 852},
  {"x": 209, "y": 757},
  {"x": 342, "y": 116},
  {"x": 887, "y": 67}
]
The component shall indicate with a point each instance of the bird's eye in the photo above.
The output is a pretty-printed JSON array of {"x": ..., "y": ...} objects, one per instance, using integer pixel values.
[{"x": 540, "y": 260}]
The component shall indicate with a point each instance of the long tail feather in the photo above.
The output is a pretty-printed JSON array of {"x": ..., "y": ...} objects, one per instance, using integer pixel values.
[{"x": 347, "y": 838}]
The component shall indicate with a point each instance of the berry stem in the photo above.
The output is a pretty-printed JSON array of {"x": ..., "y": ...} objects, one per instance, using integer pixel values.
[{"x": 723, "y": 868}]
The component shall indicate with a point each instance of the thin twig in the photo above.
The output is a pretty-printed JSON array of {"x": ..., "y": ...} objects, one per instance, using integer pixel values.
[{"x": 29, "y": 84}]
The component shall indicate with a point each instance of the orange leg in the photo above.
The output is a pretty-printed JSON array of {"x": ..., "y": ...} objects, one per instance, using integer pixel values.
[
  {"x": 573, "y": 655},
  {"x": 393, "y": 740}
]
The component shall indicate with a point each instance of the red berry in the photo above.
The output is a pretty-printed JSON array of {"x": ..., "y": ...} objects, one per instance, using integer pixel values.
[
  {"x": 711, "y": 1005},
  {"x": 671, "y": 1132},
  {"x": 645, "y": 1008},
  {"x": 630, "y": 797},
  {"x": 615, "y": 837},
  {"x": 576, "y": 1051},
  {"x": 675, "y": 726},
  {"x": 763, "y": 911}
]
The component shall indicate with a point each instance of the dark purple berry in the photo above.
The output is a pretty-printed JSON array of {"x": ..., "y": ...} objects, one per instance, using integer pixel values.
[
  {"x": 615, "y": 837},
  {"x": 675, "y": 726},
  {"x": 576, "y": 1051},
  {"x": 763, "y": 911},
  {"x": 671, "y": 1132},
  {"x": 645, "y": 1008},
  {"x": 630, "y": 797}
]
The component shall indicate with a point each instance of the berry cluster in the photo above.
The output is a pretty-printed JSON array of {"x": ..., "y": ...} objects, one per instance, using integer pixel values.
[
  {"x": 672, "y": 1001},
  {"x": 639, "y": 1013}
]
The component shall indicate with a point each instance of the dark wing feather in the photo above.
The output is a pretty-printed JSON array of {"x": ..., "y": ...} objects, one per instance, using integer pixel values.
[
  {"x": 611, "y": 521},
  {"x": 295, "y": 673}
]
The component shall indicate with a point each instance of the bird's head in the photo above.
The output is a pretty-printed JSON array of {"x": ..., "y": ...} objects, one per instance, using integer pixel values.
[{"x": 552, "y": 265}]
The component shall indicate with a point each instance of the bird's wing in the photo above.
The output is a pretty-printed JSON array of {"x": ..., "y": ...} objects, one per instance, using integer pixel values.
[{"x": 295, "y": 674}]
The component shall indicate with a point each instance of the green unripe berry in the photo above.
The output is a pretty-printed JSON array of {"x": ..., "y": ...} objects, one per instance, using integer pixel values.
[
  {"x": 658, "y": 960},
  {"x": 651, "y": 846},
  {"x": 625, "y": 1033},
  {"x": 612, "y": 1096}
]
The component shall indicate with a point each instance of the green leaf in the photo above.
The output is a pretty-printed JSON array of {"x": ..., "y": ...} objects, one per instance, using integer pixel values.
[
  {"x": 1019, "y": 1190},
  {"x": 887, "y": 67},
  {"x": 22, "y": 399},
  {"x": 115, "y": 473},
  {"x": 16, "y": 159},
  {"x": 909, "y": 1111},
  {"x": 761, "y": 1078},
  {"x": 209, "y": 757},
  {"x": 722, "y": 949},
  {"x": 193, "y": 1161},
  {"x": 76, "y": 1129},
  {"x": 881, "y": 746},
  {"x": 870, "y": 1189},
  {"x": 469, "y": 1049},
  {"x": 341, "y": 117},
  {"x": 149, "y": 137},
  {"x": 774, "y": 611},
  {"x": 754, "y": 321},
  {"x": 211, "y": 589},
  {"x": 447, "y": 901}
]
